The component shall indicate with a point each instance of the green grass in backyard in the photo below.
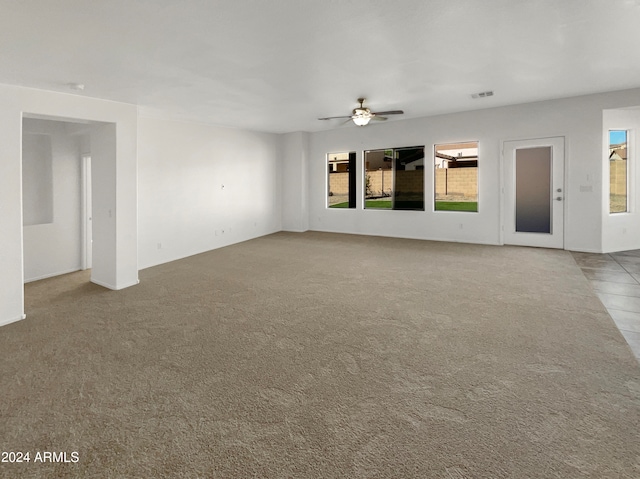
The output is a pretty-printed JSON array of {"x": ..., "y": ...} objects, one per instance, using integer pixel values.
[
  {"x": 456, "y": 206},
  {"x": 440, "y": 205},
  {"x": 378, "y": 204}
]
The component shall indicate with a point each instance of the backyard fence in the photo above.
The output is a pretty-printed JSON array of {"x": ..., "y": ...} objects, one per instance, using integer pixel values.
[{"x": 450, "y": 183}]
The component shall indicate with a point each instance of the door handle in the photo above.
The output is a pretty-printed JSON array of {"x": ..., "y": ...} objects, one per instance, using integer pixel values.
[{"x": 558, "y": 198}]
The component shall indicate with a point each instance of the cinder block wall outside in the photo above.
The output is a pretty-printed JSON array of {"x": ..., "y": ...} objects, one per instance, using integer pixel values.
[
  {"x": 618, "y": 177},
  {"x": 338, "y": 187},
  {"x": 457, "y": 183},
  {"x": 451, "y": 183},
  {"x": 617, "y": 186},
  {"x": 380, "y": 181},
  {"x": 409, "y": 183}
]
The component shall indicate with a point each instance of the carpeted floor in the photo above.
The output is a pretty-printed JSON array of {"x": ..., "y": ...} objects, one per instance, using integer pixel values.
[{"x": 319, "y": 355}]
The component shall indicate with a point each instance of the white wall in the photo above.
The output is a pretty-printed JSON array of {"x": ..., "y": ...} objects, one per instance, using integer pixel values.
[
  {"x": 16, "y": 101},
  {"x": 577, "y": 119},
  {"x": 621, "y": 231},
  {"x": 294, "y": 149},
  {"x": 52, "y": 247},
  {"x": 202, "y": 187},
  {"x": 37, "y": 179}
]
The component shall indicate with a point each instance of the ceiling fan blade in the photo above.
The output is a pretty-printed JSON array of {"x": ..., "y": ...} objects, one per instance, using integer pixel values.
[
  {"x": 334, "y": 117},
  {"x": 392, "y": 112},
  {"x": 379, "y": 118}
]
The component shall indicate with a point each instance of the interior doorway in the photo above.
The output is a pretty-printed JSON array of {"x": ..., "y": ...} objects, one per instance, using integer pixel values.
[
  {"x": 53, "y": 197},
  {"x": 73, "y": 237},
  {"x": 534, "y": 192}
]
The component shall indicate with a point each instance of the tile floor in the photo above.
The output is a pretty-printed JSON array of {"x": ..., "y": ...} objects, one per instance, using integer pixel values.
[{"x": 615, "y": 278}]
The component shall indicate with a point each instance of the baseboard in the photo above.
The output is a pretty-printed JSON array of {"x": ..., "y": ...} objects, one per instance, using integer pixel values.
[
  {"x": 128, "y": 285},
  {"x": 114, "y": 288},
  {"x": 51, "y": 275},
  {"x": 212, "y": 248},
  {"x": 104, "y": 285},
  {"x": 12, "y": 320},
  {"x": 583, "y": 250},
  {"x": 419, "y": 238}
]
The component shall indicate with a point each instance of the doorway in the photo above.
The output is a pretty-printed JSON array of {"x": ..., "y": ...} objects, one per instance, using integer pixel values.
[
  {"x": 81, "y": 234},
  {"x": 534, "y": 192},
  {"x": 52, "y": 196}
]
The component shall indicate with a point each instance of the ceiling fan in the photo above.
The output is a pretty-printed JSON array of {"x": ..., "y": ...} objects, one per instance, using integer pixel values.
[{"x": 361, "y": 115}]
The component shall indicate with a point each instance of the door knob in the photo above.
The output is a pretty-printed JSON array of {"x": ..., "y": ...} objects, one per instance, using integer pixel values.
[
  {"x": 559, "y": 198},
  {"x": 559, "y": 190}
]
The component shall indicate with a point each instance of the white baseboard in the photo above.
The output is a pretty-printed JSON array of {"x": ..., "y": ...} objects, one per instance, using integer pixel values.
[
  {"x": 51, "y": 275},
  {"x": 12, "y": 320},
  {"x": 128, "y": 285},
  {"x": 114, "y": 288}
]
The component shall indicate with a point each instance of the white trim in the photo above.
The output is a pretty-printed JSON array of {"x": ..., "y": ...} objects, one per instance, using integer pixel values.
[
  {"x": 51, "y": 275},
  {"x": 327, "y": 181},
  {"x": 629, "y": 173},
  {"x": 433, "y": 182},
  {"x": 12, "y": 320},
  {"x": 583, "y": 250},
  {"x": 114, "y": 288},
  {"x": 408, "y": 237},
  {"x": 553, "y": 240},
  {"x": 86, "y": 207}
]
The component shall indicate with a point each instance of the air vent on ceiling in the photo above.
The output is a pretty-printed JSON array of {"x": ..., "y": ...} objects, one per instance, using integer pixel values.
[{"x": 482, "y": 94}]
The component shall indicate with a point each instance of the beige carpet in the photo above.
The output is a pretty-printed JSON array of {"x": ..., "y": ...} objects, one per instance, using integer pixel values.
[{"x": 319, "y": 355}]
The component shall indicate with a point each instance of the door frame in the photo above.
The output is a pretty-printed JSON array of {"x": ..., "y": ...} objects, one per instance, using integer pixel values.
[
  {"x": 554, "y": 142},
  {"x": 87, "y": 212}
]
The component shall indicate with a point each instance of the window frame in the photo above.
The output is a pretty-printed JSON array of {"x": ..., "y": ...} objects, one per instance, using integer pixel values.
[
  {"x": 628, "y": 171},
  {"x": 393, "y": 177},
  {"x": 433, "y": 198},
  {"x": 351, "y": 181}
]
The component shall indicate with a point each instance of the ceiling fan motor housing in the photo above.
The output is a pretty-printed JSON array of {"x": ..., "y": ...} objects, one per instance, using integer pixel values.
[{"x": 361, "y": 112}]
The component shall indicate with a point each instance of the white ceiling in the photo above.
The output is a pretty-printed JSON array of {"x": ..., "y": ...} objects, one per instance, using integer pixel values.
[{"x": 277, "y": 65}]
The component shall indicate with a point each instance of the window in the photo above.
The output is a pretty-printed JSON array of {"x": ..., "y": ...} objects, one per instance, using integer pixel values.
[
  {"x": 394, "y": 178},
  {"x": 618, "y": 171},
  {"x": 456, "y": 176},
  {"x": 341, "y": 180}
]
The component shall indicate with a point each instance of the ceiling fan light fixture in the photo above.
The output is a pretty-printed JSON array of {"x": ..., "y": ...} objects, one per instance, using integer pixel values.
[{"x": 361, "y": 120}]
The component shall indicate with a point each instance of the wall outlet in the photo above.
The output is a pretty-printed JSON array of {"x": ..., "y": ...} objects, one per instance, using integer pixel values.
[{"x": 159, "y": 245}]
